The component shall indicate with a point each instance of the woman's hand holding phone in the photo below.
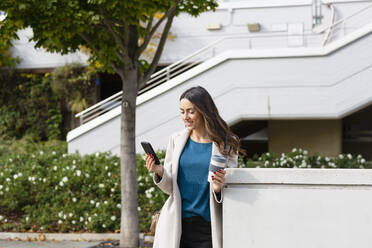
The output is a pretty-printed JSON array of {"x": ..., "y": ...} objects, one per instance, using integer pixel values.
[{"x": 151, "y": 166}]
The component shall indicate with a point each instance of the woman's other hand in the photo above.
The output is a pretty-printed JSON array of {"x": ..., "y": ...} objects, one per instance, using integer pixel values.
[
  {"x": 218, "y": 180},
  {"x": 151, "y": 166}
]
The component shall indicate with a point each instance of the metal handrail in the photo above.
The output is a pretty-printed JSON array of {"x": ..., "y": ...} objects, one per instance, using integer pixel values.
[
  {"x": 330, "y": 27},
  {"x": 188, "y": 62}
]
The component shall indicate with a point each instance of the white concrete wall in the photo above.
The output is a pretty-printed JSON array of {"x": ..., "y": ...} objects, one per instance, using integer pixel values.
[
  {"x": 246, "y": 87},
  {"x": 292, "y": 208}
]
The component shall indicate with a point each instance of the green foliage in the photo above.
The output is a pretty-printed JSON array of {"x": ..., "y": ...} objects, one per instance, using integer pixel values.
[
  {"x": 28, "y": 106},
  {"x": 7, "y": 34},
  {"x": 74, "y": 84},
  {"x": 72, "y": 192},
  {"x": 100, "y": 25},
  {"x": 299, "y": 158}
]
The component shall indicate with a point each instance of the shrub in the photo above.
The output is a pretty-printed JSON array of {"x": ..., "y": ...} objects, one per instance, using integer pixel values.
[
  {"x": 299, "y": 158},
  {"x": 45, "y": 189}
]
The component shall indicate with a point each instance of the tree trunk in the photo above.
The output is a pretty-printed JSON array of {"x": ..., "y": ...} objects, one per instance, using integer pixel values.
[{"x": 129, "y": 229}]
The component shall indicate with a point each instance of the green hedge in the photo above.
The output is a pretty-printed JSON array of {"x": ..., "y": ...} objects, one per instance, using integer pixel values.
[
  {"x": 299, "y": 158},
  {"x": 44, "y": 189}
]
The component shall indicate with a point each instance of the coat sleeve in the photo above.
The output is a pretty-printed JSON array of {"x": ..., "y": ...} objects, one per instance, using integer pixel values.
[
  {"x": 231, "y": 163},
  {"x": 165, "y": 182}
]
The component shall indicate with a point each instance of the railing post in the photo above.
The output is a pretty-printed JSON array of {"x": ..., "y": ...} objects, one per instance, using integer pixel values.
[
  {"x": 81, "y": 120},
  {"x": 168, "y": 74}
]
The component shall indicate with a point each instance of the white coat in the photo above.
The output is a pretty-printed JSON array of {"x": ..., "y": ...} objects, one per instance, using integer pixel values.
[{"x": 169, "y": 226}]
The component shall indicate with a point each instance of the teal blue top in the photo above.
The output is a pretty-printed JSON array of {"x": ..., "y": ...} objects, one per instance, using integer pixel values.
[{"x": 193, "y": 179}]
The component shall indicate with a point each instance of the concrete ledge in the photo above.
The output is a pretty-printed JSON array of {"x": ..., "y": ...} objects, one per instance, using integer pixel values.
[
  {"x": 288, "y": 176},
  {"x": 69, "y": 236}
]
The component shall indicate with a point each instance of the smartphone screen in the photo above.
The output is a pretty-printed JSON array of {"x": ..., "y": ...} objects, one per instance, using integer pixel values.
[{"x": 147, "y": 147}]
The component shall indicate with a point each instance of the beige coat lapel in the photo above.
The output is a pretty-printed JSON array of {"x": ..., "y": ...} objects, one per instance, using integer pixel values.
[{"x": 179, "y": 145}]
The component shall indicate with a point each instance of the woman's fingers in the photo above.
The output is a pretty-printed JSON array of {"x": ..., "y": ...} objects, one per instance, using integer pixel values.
[
  {"x": 150, "y": 162},
  {"x": 219, "y": 176}
]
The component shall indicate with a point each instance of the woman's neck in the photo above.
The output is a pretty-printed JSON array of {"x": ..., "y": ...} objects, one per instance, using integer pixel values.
[{"x": 200, "y": 136}]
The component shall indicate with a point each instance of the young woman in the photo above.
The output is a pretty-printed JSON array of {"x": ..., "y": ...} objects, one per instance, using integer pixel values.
[{"x": 191, "y": 217}]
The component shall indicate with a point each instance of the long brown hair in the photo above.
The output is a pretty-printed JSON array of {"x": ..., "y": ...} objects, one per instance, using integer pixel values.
[{"x": 219, "y": 132}]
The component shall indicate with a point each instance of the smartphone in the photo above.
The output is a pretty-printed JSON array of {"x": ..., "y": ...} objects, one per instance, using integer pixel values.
[{"x": 149, "y": 150}]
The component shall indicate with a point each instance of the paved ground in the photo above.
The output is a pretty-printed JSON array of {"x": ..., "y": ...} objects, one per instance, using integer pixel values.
[
  {"x": 47, "y": 244},
  {"x": 63, "y": 244}
]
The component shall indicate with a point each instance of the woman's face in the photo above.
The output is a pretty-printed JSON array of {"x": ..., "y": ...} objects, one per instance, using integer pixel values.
[{"x": 190, "y": 116}]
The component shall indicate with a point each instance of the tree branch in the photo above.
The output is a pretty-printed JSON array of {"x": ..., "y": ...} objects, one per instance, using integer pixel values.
[
  {"x": 160, "y": 48},
  {"x": 123, "y": 55},
  {"x": 146, "y": 41},
  {"x": 85, "y": 37}
]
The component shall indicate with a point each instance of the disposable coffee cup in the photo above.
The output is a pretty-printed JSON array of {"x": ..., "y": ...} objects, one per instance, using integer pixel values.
[{"x": 217, "y": 162}]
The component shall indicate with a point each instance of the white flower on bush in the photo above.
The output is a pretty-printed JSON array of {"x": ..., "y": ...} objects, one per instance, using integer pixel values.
[
  {"x": 70, "y": 214},
  {"x": 64, "y": 155},
  {"x": 109, "y": 174},
  {"x": 305, "y": 152},
  {"x": 92, "y": 202},
  {"x": 148, "y": 194},
  {"x": 2, "y": 174},
  {"x": 1, "y": 186},
  {"x": 74, "y": 161},
  {"x": 60, "y": 214},
  {"x": 1, "y": 217},
  {"x": 44, "y": 180},
  {"x": 103, "y": 225},
  {"x": 27, "y": 218},
  {"x": 101, "y": 185},
  {"x": 331, "y": 164},
  {"x": 341, "y": 156},
  {"x": 87, "y": 175},
  {"x": 73, "y": 222},
  {"x": 139, "y": 208},
  {"x": 7, "y": 189},
  {"x": 10, "y": 160},
  {"x": 86, "y": 223},
  {"x": 97, "y": 204},
  {"x": 113, "y": 218},
  {"x": 81, "y": 219},
  {"x": 61, "y": 183},
  {"x": 60, "y": 221},
  {"x": 64, "y": 179},
  {"x": 97, "y": 154},
  {"x": 327, "y": 159},
  {"x": 41, "y": 152},
  {"x": 359, "y": 156},
  {"x": 64, "y": 216},
  {"x": 74, "y": 199},
  {"x": 362, "y": 161},
  {"x": 73, "y": 167},
  {"x": 54, "y": 153},
  {"x": 67, "y": 167},
  {"x": 78, "y": 173},
  {"x": 15, "y": 176},
  {"x": 95, "y": 214},
  {"x": 112, "y": 190},
  {"x": 349, "y": 156},
  {"x": 89, "y": 219},
  {"x": 106, "y": 167},
  {"x": 105, "y": 202},
  {"x": 55, "y": 168},
  {"x": 118, "y": 205}
]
